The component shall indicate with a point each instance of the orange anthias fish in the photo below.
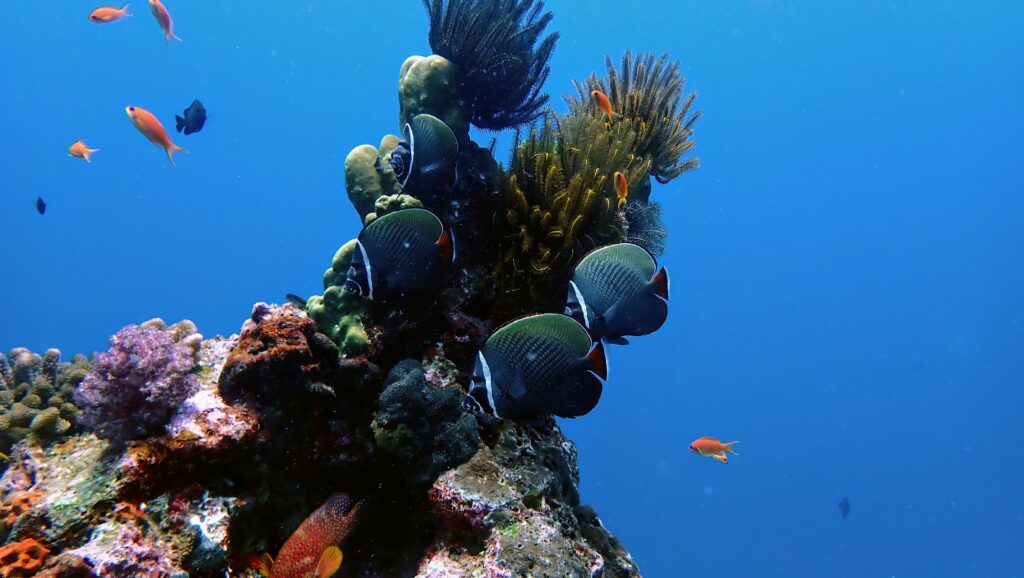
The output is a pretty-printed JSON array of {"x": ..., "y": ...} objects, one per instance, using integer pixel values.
[
  {"x": 151, "y": 128},
  {"x": 602, "y": 102},
  {"x": 621, "y": 188},
  {"x": 80, "y": 151},
  {"x": 313, "y": 551},
  {"x": 712, "y": 448},
  {"x": 109, "y": 14},
  {"x": 163, "y": 18}
]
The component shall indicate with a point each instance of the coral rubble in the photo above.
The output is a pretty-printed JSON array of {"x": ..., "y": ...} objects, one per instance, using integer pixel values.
[{"x": 347, "y": 417}]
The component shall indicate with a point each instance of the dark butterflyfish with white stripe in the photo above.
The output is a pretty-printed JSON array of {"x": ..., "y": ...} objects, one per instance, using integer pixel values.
[
  {"x": 402, "y": 254},
  {"x": 539, "y": 365},
  {"x": 618, "y": 290},
  {"x": 424, "y": 160}
]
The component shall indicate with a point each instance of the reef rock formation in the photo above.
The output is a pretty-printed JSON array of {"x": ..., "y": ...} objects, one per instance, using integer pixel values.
[
  {"x": 36, "y": 396},
  {"x": 201, "y": 457}
]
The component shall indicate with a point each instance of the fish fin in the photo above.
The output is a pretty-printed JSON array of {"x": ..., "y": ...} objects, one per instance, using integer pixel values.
[
  {"x": 173, "y": 148},
  {"x": 444, "y": 242},
  {"x": 598, "y": 361},
  {"x": 125, "y": 9},
  {"x": 179, "y": 123},
  {"x": 329, "y": 563},
  {"x": 660, "y": 283},
  {"x": 580, "y": 397},
  {"x": 616, "y": 340},
  {"x": 728, "y": 448},
  {"x": 265, "y": 565}
]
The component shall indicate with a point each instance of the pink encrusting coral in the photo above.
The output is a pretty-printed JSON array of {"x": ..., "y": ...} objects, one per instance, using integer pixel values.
[{"x": 137, "y": 385}]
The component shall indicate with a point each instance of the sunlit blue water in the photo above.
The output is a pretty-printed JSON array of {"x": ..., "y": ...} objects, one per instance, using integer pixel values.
[{"x": 848, "y": 289}]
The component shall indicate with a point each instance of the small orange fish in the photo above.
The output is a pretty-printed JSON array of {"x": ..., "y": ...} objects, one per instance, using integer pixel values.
[
  {"x": 151, "y": 128},
  {"x": 712, "y": 448},
  {"x": 621, "y": 188},
  {"x": 312, "y": 551},
  {"x": 80, "y": 151},
  {"x": 163, "y": 18},
  {"x": 602, "y": 102},
  {"x": 109, "y": 14}
]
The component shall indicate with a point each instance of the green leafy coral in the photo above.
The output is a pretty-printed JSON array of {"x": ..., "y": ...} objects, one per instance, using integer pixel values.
[
  {"x": 36, "y": 394},
  {"x": 649, "y": 93}
]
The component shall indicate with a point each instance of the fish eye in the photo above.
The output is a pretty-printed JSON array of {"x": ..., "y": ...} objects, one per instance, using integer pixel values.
[{"x": 131, "y": 108}]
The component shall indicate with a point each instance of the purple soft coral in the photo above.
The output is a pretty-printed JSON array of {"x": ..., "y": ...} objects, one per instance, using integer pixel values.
[{"x": 136, "y": 387}]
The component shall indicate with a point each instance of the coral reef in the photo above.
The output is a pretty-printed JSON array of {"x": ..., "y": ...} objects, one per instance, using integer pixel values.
[
  {"x": 423, "y": 426},
  {"x": 363, "y": 182},
  {"x": 205, "y": 456},
  {"x": 338, "y": 313},
  {"x": 429, "y": 85},
  {"x": 649, "y": 93},
  {"x": 137, "y": 385},
  {"x": 36, "y": 396},
  {"x": 500, "y": 67}
]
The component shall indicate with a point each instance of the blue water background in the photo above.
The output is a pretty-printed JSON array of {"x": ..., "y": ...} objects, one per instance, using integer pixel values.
[{"x": 846, "y": 266}]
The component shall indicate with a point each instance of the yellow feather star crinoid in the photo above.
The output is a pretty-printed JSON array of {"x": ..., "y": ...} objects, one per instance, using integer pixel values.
[
  {"x": 559, "y": 202},
  {"x": 648, "y": 92}
]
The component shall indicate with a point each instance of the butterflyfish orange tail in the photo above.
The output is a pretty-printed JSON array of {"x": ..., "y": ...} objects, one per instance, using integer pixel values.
[{"x": 329, "y": 563}]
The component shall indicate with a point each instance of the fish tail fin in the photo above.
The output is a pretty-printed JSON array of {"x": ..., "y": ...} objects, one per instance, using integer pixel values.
[
  {"x": 179, "y": 123},
  {"x": 444, "y": 243},
  {"x": 265, "y": 564},
  {"x": 329, "y": 563},
  {"x": 728, "y": 448},
  {"x": 172, "y": 148},
  {"x": 174, "y": 36},
  {"x": 125, "y": 8},
  {"x": 598, "y": 361},
  {"x": 660, "y": 283}
]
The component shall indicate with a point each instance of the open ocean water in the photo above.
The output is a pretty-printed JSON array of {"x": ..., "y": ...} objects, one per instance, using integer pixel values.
[{"x": 847, "y": 264}]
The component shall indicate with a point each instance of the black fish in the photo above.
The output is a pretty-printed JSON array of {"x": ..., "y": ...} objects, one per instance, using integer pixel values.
[
  {"x": 615, "y": 292},
  {"x": 195, "y": 118},
  {"x": 424, "y": 160},
  {"x": 538, "y": 365},
  {"x": 844, "y": 507},
  {"x": 295, "y": 300},
  {"x": 401, "y": 254},
  {"x": 40, "y": 206}
]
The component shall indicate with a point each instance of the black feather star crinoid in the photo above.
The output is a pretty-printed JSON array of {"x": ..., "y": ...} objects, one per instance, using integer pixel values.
[
  {"x": 494, "y": 45},
  {"x": 650, "y": 93}
]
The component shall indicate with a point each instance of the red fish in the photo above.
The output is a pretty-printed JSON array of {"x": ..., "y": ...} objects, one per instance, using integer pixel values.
[
  {"x": 151, "y": 128},
  {"x": 712, "y": 448},
  {"x": 621, "y": 188},
  {"x": 109, "y": 14},
  {"x": 313, "y": 551},
  {"x": 163, "y": 18},
  {"x": 602, "y": 102}
]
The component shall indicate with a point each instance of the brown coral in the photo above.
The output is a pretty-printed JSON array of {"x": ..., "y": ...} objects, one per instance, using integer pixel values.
[
  {"x": 280, "y": 354},
  {"x": 22, "y": 559}
]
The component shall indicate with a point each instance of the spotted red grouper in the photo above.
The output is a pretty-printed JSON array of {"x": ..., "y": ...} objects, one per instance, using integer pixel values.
[{"x": 313, "y": 551}]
